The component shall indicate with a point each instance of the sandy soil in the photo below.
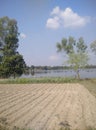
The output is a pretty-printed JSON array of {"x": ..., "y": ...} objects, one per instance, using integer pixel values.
[{"x": 47, "y": 106}]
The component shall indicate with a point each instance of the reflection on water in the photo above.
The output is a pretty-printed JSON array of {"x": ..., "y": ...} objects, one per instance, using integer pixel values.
[{"x": 84, "y": 73}]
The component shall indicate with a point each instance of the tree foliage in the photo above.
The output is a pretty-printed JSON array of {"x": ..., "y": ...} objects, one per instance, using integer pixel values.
[
  {"x": 11, "y": 62},
  {"x": 93, "y": 46},
  {"x": 76, "y": 51}
]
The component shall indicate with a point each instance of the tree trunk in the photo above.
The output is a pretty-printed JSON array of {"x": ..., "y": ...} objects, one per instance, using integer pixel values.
[{"x": 78, "y": 75}]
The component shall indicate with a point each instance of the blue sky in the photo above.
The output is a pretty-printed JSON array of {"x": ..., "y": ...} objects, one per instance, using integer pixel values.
[{"x": 43, "y": 23}]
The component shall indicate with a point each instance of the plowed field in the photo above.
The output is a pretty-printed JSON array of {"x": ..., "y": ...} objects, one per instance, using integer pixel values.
[{"x": 47, "y": 106}]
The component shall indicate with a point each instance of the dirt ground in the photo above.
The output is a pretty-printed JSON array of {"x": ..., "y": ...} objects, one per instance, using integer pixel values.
[{"x": 47, "y": 106}]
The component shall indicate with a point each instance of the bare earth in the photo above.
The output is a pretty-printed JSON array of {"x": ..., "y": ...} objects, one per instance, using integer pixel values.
[{"x": 47, "y": 106}]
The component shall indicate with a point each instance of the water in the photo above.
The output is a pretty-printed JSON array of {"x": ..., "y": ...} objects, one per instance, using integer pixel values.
[{"x": 84, "y": 73}]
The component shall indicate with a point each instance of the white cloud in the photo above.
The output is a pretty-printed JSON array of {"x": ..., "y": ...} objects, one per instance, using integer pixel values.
[
  {"x": 53, "y": 23},
  {"x": 22, "y": 35},
  {"x": 56, "y": 11},
  {"x": 66, "y": 18},
  {"x": 72, "y": 19},
  {"x": 53, "y": 58}
]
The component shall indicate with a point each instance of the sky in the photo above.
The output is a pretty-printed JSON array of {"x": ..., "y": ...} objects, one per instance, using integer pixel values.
[{"x": 43, "y": 23}]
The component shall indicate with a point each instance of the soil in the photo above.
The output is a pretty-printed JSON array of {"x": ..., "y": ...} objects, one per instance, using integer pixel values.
[{"x": 47, "y": 106}]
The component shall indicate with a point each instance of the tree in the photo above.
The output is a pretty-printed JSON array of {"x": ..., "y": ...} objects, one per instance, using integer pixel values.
[
  {"x": 32, "y": 69},
  {"x": 93, "y": 46},
  {"x": 11, "y": 62},
  {"x": 76, "y": 52},
  {"x": 13, "y": 66}
]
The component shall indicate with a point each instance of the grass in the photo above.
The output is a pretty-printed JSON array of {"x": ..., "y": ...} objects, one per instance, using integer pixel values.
[
  {"x": 2, "y": 127},
  {"x": 37, "y": 80},
  {"x": 90, "y": 84}
]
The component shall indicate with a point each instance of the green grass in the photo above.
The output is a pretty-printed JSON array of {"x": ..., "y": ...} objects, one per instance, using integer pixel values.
[{"x": 37, "y": 80}]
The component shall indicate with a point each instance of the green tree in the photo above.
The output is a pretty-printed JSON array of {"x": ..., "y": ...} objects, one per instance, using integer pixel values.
[
  {"x": 11, "y": 62},
  {"x": 76, "y": 52},
  {"x": 12, "y": 66},
  {"x": 93, "y": 46}
]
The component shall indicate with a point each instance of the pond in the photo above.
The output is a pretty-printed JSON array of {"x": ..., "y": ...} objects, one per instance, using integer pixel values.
[{"x": 84, "y": 73}]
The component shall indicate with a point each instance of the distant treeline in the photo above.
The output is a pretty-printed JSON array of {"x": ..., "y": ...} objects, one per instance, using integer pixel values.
[
  {"x": 57, "y": 67},
  {"x": 39, "y": 69}
]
